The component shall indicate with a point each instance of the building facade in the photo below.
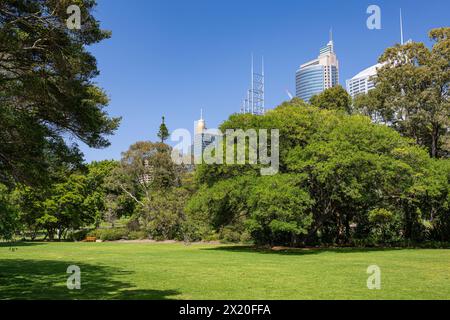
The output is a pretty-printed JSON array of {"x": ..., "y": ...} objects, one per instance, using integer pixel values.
[
  {"x": 363, "y": 82},
  {"x": 317, "y": 75},
  {"x": 202, "y": 138}
]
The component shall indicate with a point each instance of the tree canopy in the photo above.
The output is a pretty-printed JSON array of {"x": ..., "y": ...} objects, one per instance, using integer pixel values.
[
  {"x": 47, "y": 93},
  {"x": 412, "y": 92},
  {"x": 343, "y": 179},
  {"x": 163, "y": 132},
  {"x": 335, "y": 98}
]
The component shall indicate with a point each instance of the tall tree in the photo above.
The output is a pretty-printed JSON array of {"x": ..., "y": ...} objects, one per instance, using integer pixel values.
[
  {"x": 163, "y": 132},
  {"x": 412, "y": 92},
  {"x": 157, "y": 187},
  {"x": 342, "y": 178},
  {"x": 47, "y": 91},
  {"x": 335, "y": 98},
  {"x": 8, "y": 214},
  {"x": 74, "y": 200}
]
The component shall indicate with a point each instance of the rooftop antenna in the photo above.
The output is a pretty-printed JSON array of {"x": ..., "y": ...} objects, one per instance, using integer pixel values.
[
  {"x": 252, "y": 89},
  {"x": 254, "y": 104},
  {"x": 401, "y": 28},
  {"x": 289, "y": 94},
  {"x": 263, "y": 88},
  {"x": 331, "y": 44}
]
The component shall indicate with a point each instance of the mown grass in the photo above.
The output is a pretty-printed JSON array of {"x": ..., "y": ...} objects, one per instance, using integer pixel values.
[{"x": 175, "y": 271}]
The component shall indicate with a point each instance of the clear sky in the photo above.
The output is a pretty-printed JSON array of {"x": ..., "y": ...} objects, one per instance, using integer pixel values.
[{"x": 172, "y": 58}]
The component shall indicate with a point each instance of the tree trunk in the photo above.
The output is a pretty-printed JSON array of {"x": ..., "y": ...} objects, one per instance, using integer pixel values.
[
  {"x": 434, "y": 141},
  {"x": 33, "y": 235}
]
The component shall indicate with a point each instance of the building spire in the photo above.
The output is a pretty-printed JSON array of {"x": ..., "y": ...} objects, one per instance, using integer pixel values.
[
  {"x": 252, "y": 103},
  {"x": 401, "y": 28},
  {"x": 262, "y": 65},
  {"x": 201, "y": 113},
  {"x": 331, "y": 43}
]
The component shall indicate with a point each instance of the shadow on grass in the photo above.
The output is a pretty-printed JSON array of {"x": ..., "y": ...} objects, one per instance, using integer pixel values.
[
  {"x": 46, "y": 279},
  {"x": 18, "y": 244},
  {"x": 298, "y": 251}
]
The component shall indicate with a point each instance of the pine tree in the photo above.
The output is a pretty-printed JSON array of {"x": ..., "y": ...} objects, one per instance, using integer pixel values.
[{"x": 163, "y": 133}]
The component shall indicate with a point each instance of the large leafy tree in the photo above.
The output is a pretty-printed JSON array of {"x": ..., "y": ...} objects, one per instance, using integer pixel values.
[
  {"x": 144, "y": 167},
  {"x": 412, "y": 92},
  {"x": 9, "y": 221},
  {"x": 154, "y": 185},
  {"x": 335, "y": 98},
  {"x": 96, "y": 201},
  {"x": 280, "y": 210},
  {"x": 342, "y": 179},
  {"x": 47, "y": 93},
  {"x": 72, "y": 201}
]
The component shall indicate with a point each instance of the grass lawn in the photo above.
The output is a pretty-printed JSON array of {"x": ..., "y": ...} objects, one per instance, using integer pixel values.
[{"x": 176, "y": 271}]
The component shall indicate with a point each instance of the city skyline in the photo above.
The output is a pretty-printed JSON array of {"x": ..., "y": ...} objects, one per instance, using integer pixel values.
[
  {"x": 159, "y": 66},
  {"x": 315, "y": 76},
  {"x": 364, "y": 81}
]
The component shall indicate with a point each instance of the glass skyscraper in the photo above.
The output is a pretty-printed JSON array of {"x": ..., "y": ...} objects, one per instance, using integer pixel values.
[
  {"x": 317, "y": 75},
  {"x": 202, "y": 139}
]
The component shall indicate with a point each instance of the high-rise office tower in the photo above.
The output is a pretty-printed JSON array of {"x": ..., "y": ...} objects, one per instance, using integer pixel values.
[
  {"x": 318, "y": 75},
  {"x": 202, "y": 138},
  {"x": 363, "y": 82}
]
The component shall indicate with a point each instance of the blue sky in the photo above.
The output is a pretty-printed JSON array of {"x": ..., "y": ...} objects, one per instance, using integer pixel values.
[{"x": 172, "y": 58}]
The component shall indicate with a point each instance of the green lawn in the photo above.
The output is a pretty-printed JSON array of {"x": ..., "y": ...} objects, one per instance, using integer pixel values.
[{"x": 176, "y": 271}]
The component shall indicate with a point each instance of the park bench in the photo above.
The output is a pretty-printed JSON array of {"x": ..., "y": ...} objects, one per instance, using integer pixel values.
[{"x": 90, "y": 239}]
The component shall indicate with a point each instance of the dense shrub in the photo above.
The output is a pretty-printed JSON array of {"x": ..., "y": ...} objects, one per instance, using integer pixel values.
[
  {"x": 137, "y": 235},
  {"x": 78, "y": 235},
  {"x": 384, "y": 226},
  {"x": 230, "y": 235},
  {"x": 110, "y": 234}
]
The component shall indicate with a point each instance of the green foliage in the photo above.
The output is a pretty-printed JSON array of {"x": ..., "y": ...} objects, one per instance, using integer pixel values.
[
  {"x": 144, "y": 166},
  {"x": 137, "y": 235},
  {"x": 96, "y": 201},
  {"x": 279, "y": 210},
  {"x": 156, "y": 188},
  {"x": 113, "y": 234},
  {"x": 163, "y": 132},
  {"x": 72, "y": 202},
  {"x": 339, "y": 173},
  {"x": 273, "y": 209},
  {"x": 78, "y": 235},
  {"x": 8, "y": 214},
  {"x": 46, "y": 89},
  {"x": 385, "y": 226},
  {"x": 335, "y": 98},
  {"x": 380, "y": 216},
  {"x": 162, "y": 215},
  {"x": 229, "y": 234},
  {"x": 411, "y": 93}
]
